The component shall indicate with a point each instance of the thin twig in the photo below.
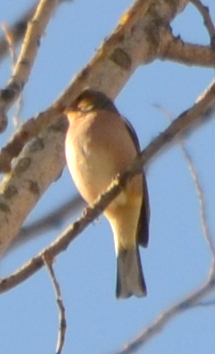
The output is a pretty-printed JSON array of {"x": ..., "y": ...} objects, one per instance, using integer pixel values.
[
  {"x": 11, "y": 46},
  {"x": 199, "y": 190},
  {"x": 201, "y": 200},
  {"x": 208, "y": 303},
  {"x": 61, "y": 309},
  {"x": 10, "y": 42},
  {"x": 187, "y": 303},
  {"x": 204, "y": 11},
  {"x": 17, "y": 30},
  {"x": 24, "y": 64}
]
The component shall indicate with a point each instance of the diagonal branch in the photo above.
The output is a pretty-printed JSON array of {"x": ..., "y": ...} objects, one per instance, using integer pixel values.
[
  {"x": 198, "y": 187},
  {"x": 48, "y": 222},
  {"x": 22, "y": 69},
  {"x": 24, "y": 186},
  {"x": 17, "y": 30},
  {"x": 201, "y": 199},
  {"x": 167, "y": 315}
]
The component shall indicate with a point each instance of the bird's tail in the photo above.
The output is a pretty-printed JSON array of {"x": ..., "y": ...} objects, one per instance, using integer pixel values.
[{"x": 130, "y": 279}]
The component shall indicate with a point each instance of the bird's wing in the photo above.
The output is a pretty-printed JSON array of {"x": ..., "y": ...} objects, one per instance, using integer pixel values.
[
  {"x": 132, "y": 134},
  {"x": 143, "y": 224}
]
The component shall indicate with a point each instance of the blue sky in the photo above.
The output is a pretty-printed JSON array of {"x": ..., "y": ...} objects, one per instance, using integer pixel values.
[{"x": 177, "y": 259}]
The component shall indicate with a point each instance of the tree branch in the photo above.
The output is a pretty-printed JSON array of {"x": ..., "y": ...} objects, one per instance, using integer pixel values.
[
  {"x": 61, "y": 308},
  {"x": 198, "y": 187},
  {"x": 22, "y": 188},
  {"x": 204, "y": 11},
  {"x": 129, "y": 46},
  {"x": 22, "y": 69},
  {"x": 175, "y": 49},
  {"x": 16, "y": 31},
  {"x": 166, "y": 316},
  {"x": 134, "y": 42},
  {"x": 47, "y": 223}
]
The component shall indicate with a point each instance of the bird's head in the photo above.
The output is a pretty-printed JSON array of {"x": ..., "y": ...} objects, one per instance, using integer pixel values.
[{"x": 90, "y": 100}]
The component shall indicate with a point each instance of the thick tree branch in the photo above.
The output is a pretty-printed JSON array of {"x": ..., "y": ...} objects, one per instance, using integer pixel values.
[
  {"x": 29, "y": 130},
  {"x": 134, "y": 42},
  {"x": 23, "y": 187}
]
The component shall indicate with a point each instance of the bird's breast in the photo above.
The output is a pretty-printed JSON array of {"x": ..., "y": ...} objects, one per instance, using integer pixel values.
[
  {"x": 96, "y": 150},
  {"x": 91, "y": 164}
]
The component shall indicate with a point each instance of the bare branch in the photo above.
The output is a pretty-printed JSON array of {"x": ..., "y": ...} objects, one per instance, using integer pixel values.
[
  {"x": 134, "y": 42},
  {"x": 48, "y": 222},
  {"x": 24, "y": 134},
  {"x": 26, "y": 58},
  {"x": 175, "y": 49},
  {"x": 199, "y": 190},
  {"x": 204, "y": 11},
  {"x": 10, "y": 43},
  {"x": 166, "y": 316},
  {"x": 23, "y": 187},
  {"x": 119, "y": 56},
  {"x": 201, "y": 199},
  {"x": 129, "y": 46},
  {"x": 178, "y": 126},
  {"x": 208, "y": 303},
  {"x": 17, "y": 30},
  {"x": 62, "y": 313}
]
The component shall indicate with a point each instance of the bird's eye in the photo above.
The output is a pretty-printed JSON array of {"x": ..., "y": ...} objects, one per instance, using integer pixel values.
[{"x": 85, "y": 106}]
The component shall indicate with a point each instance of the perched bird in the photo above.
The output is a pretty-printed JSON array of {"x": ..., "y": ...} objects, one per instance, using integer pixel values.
[{"x": 100, "y": 143}]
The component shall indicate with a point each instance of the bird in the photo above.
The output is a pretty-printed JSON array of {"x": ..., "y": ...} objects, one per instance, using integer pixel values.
[{"x": 100, "y": 143}]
